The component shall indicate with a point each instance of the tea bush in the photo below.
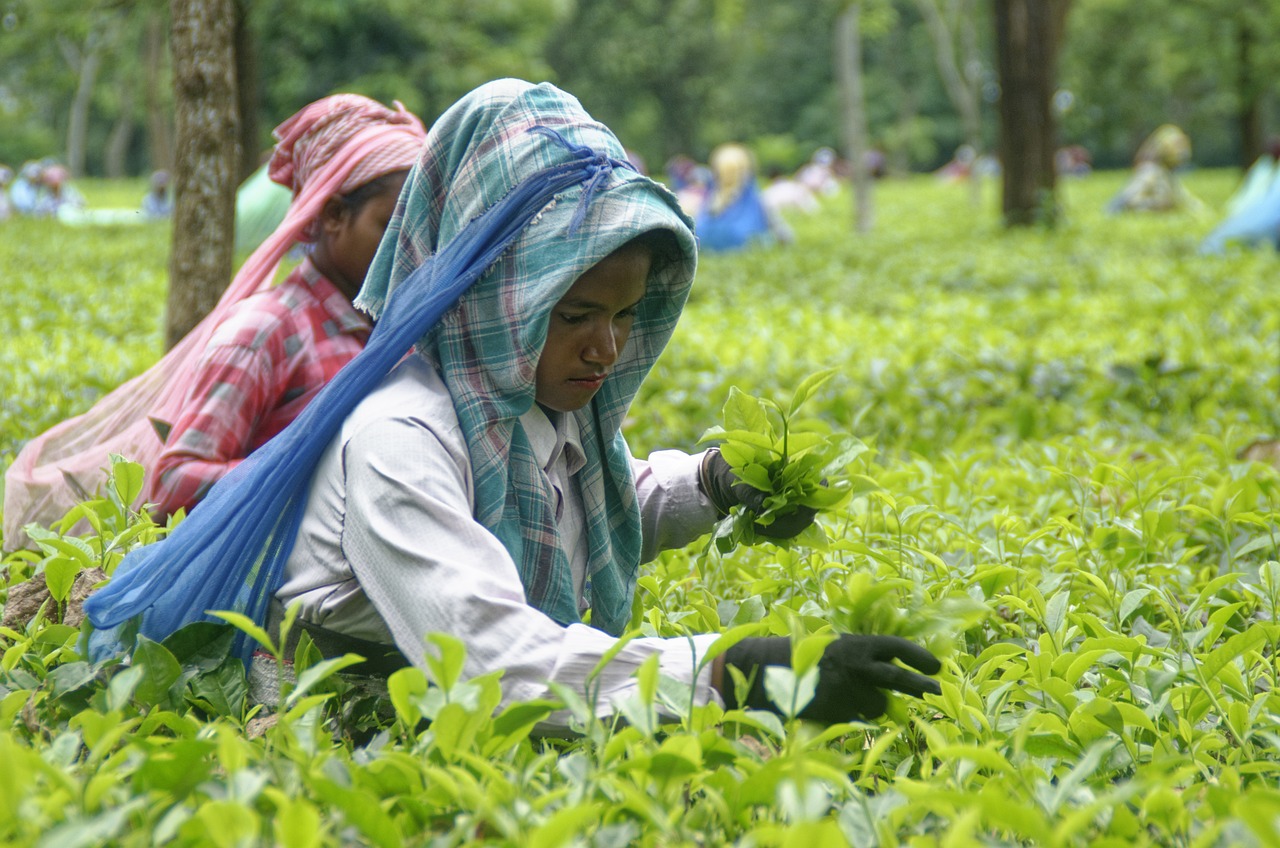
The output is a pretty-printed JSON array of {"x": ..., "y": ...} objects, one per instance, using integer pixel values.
[{"x": 1052, "y": 499}]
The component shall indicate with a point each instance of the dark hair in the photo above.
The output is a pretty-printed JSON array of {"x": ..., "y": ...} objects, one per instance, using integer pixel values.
[
  {"x": 354, "y": 200},
  {"x": 664, "y": 249}
]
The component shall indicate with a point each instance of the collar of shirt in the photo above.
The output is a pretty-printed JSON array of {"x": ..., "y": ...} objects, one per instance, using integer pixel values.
[
  {"x": 347, "y": 318},
  {"x": 551, "y": 434}
]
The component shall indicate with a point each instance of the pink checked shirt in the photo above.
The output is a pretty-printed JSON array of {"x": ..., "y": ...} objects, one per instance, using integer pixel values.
[{"x": 264, "y": 364}]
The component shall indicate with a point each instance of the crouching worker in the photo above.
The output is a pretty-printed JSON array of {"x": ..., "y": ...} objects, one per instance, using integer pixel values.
[
  {"x": 245, "y": 371},
  {"x": 481, "y": 486},
  {"x": 346, "y": 158}
]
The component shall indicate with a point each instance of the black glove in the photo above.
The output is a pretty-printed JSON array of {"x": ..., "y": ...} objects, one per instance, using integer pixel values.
[
  {"x": 725, "y": 490},
  {"x": 851, "y": 673}
]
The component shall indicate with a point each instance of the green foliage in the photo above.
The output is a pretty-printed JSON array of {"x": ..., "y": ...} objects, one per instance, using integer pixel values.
[
  {"x": 1051, "y": 498},
  {"x": 83, "y": 296},
  {"x": 671, "y": 76},
  {"x": 1205, "y": 53},
  {"x": 796, "y": 467},
  {"x": 426, "y": 54}
]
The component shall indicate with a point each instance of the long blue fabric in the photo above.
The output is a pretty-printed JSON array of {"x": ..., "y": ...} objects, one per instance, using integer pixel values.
[{"x": 229, "y": 555}]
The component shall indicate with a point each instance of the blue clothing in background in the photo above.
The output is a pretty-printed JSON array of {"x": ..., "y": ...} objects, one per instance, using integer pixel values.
[
  {"x": 25, "y": 195},
  {"x": 1254, "y": 218},
  {"x": 741, "y": 222}
]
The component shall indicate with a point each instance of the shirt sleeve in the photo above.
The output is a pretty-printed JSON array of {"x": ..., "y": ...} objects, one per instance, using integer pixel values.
[
  {"x": 673, "y": 509},
  {"x": 429, "y": 567},
  {"x": 233, "y": 390}
]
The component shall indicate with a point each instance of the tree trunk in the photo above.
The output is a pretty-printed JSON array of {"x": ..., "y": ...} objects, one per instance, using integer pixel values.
[
  {"x": 960, "y": 71},
  {"x": 1028, "y": 34},
  {"x": 1249, "y": 118},
  {"x": 246, "y": 48},
  {"x": 85, "y": 62},
  {"x": 904, "y": 97},
  {"x": 159, "y": 129},
  {"x": 117, "y": 152},
  {"x": 971, "y": 57},
  {"x": 849, "y": 71},
  {"x": 204, "y": 83}
]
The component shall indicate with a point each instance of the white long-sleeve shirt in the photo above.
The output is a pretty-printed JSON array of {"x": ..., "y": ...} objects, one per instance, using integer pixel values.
[{"x": 389, "y": 549}]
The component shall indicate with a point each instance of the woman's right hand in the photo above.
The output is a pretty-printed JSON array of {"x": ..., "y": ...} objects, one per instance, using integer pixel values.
[{"x": 851, "y": 674}]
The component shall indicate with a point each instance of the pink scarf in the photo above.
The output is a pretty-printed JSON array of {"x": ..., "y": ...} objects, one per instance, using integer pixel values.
[{"x": 330, "y": 147}]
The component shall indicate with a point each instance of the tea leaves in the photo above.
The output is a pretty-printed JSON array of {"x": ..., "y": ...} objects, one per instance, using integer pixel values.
[{"x": 1051, "y": 456}]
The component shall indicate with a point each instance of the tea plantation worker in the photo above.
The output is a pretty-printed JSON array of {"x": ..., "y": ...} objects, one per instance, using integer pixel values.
[
  {"x": 1154, "y": 185},
  {"x": 819, "y": 173},
  {"x": 6, "y": 208},
  {"x": 273, "y": 351},
  {"x": 689, "y": 181},
  {"x": 481, "y": 486},
  {"x": 24, "y": 193},
  {"x": 1253, "y": 216},
  {"x": 223, "y": 390},
  {"x": 58, "y": 196},
  {"x": 157, "y": 203},
  {"x": 734, "y": 214}
]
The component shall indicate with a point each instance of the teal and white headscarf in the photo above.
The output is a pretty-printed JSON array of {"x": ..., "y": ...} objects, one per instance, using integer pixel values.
[{"x": 486, "y": 347}]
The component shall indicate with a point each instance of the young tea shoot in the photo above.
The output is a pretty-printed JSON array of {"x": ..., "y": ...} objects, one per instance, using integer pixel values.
[{"x": 799, "y": 464}]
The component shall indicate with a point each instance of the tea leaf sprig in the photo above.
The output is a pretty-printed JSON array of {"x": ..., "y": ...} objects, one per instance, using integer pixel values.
[{"x": 796, "y": 467}]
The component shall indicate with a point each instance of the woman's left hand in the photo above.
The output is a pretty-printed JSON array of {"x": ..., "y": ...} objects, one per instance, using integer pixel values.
[{"x": 725, "y": 490}]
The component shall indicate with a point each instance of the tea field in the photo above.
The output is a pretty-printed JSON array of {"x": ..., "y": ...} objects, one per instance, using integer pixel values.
[{"x": 1066, "y": 492}]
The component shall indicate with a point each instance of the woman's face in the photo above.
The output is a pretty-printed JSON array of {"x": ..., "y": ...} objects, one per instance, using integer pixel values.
[
  {"x": 589, "y": 327},
  {"x": 350, "y": 239}
]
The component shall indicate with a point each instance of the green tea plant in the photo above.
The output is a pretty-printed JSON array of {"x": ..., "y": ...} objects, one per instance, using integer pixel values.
[{"x": 1034, "y": 445}]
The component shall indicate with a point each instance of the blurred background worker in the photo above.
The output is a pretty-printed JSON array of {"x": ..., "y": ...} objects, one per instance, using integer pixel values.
[
  {"x": 1154, "y": 186},
  {"x": 734, "y": 214}
]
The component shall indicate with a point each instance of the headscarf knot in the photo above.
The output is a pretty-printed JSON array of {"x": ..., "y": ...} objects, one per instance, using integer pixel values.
[{"x": 599, "y": 166}]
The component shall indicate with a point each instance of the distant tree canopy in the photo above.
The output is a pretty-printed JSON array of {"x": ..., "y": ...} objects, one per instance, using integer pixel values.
[{"x": 88, "y": 81}]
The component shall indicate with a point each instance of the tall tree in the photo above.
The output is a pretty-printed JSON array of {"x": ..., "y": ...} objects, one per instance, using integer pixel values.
[
  {"x": 1254, "y": 23},
  {"x": 648, "y": 69},
  {"x": 159, "y": 115},
  {"x": 849, "y": 73},
  {"x": 121, "y": 137},
  {"x": 204, "y": 185},
  {"x": 248, "y": 103},
  {"x": 84, "y": 47},
  {"x": 953, "y": 29},
  {"x": 1028, "y": 36}
]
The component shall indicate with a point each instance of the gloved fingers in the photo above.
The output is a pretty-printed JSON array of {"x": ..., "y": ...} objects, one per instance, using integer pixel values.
[
  {"x": 788, "y": 526},
  {"x": 868, "y": 705},
  {"x": 899, "y": 679},
  {"x": 725, "y": 490},
  {"x": 846, "y": 705},
  {"x": 887, "y": 648},
  {"x": 723, "y": 487},
  {"x": 761, "y": 651},
  {"x": 749, "y": 496}
]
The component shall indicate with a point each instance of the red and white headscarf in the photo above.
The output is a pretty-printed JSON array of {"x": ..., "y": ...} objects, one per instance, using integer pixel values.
[
  {"x": 381, "y": 140},
  {"x": 332, "y": 146}
]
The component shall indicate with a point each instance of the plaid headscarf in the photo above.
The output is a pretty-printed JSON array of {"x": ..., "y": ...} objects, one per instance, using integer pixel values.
[{"x": 487, "y": 347}]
